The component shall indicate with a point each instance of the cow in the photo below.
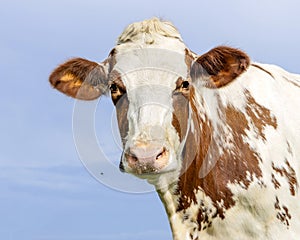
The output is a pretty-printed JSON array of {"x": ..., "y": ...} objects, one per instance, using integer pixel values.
[{"x": 216, "y": 134}]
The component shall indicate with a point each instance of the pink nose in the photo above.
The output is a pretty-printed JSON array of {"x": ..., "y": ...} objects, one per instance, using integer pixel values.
[{"x": 146, "y": 158}]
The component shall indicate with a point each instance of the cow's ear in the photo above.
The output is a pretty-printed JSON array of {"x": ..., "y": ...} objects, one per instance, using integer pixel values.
[
  {"x": 80, "y": 78},
  {"x": 219, "y": 66}
]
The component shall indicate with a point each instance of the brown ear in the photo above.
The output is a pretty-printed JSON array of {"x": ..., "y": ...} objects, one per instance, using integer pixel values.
[
  {"x": 220, "y": 66},
  {"x": 80, "y": 78}
]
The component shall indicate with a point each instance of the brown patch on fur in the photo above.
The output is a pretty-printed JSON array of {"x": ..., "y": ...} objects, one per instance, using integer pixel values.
[
  {"x": 80, "y": 78},
  {"x": 260, "y": 116},
  {"x": 181, "y": 107},
  {"x": 240, "y": 159},
  {"x": 232, "y": 165},
  {"x": 120, "y": 100},
  {"x": 276, "y": 205},
  {"x": 191, "y": 164},
  {"x": 122, "y": 109},
  {"x": 204, "y": 217},
  {"x": 289, "y": 173},
  {"x": 275, "y": 182},
  {"x": 220, "y": 66},
  {"x": 283, "y": 214}
]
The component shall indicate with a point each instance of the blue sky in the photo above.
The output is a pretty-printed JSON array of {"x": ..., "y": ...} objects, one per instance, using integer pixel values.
[{"x": 45, "y": 191}]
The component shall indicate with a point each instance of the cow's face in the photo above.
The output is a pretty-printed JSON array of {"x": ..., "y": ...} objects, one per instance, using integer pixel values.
[{"x": 151, "y": 89}]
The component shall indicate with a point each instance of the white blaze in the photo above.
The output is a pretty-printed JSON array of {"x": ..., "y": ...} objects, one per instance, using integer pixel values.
[{"x": 150, "y": 77}]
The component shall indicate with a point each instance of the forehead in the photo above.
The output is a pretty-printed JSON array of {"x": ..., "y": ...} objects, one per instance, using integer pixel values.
[{"x": 150, "y": 66}]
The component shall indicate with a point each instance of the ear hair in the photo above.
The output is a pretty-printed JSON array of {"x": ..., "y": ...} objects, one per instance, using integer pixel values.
[
  {"x": 220, "y": 66},
  {"x": 80, "y": 78}
]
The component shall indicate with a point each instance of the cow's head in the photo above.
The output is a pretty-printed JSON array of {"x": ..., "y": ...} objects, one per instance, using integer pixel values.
[{"x": 151, "y": 78}]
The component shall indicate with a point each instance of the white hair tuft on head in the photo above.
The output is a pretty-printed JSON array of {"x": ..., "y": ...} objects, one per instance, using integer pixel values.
[{"x": 149, "y": 29}]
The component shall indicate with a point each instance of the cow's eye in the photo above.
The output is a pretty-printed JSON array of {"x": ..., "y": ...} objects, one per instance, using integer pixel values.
[
  {"x": 113, "y": 88},
  {"x": 185, "y": 85}
]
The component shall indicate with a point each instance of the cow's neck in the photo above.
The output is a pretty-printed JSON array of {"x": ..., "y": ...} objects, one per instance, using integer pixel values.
[{"x": 201, "y": 194}]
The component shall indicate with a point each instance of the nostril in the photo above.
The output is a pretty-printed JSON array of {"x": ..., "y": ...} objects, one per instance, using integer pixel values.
[
  {"x": 161, "y": 154},
  {"x": 131, "y": 157}
]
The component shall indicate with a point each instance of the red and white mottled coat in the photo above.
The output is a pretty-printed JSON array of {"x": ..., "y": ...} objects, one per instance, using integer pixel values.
[{"x": 217, "y": 134}]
